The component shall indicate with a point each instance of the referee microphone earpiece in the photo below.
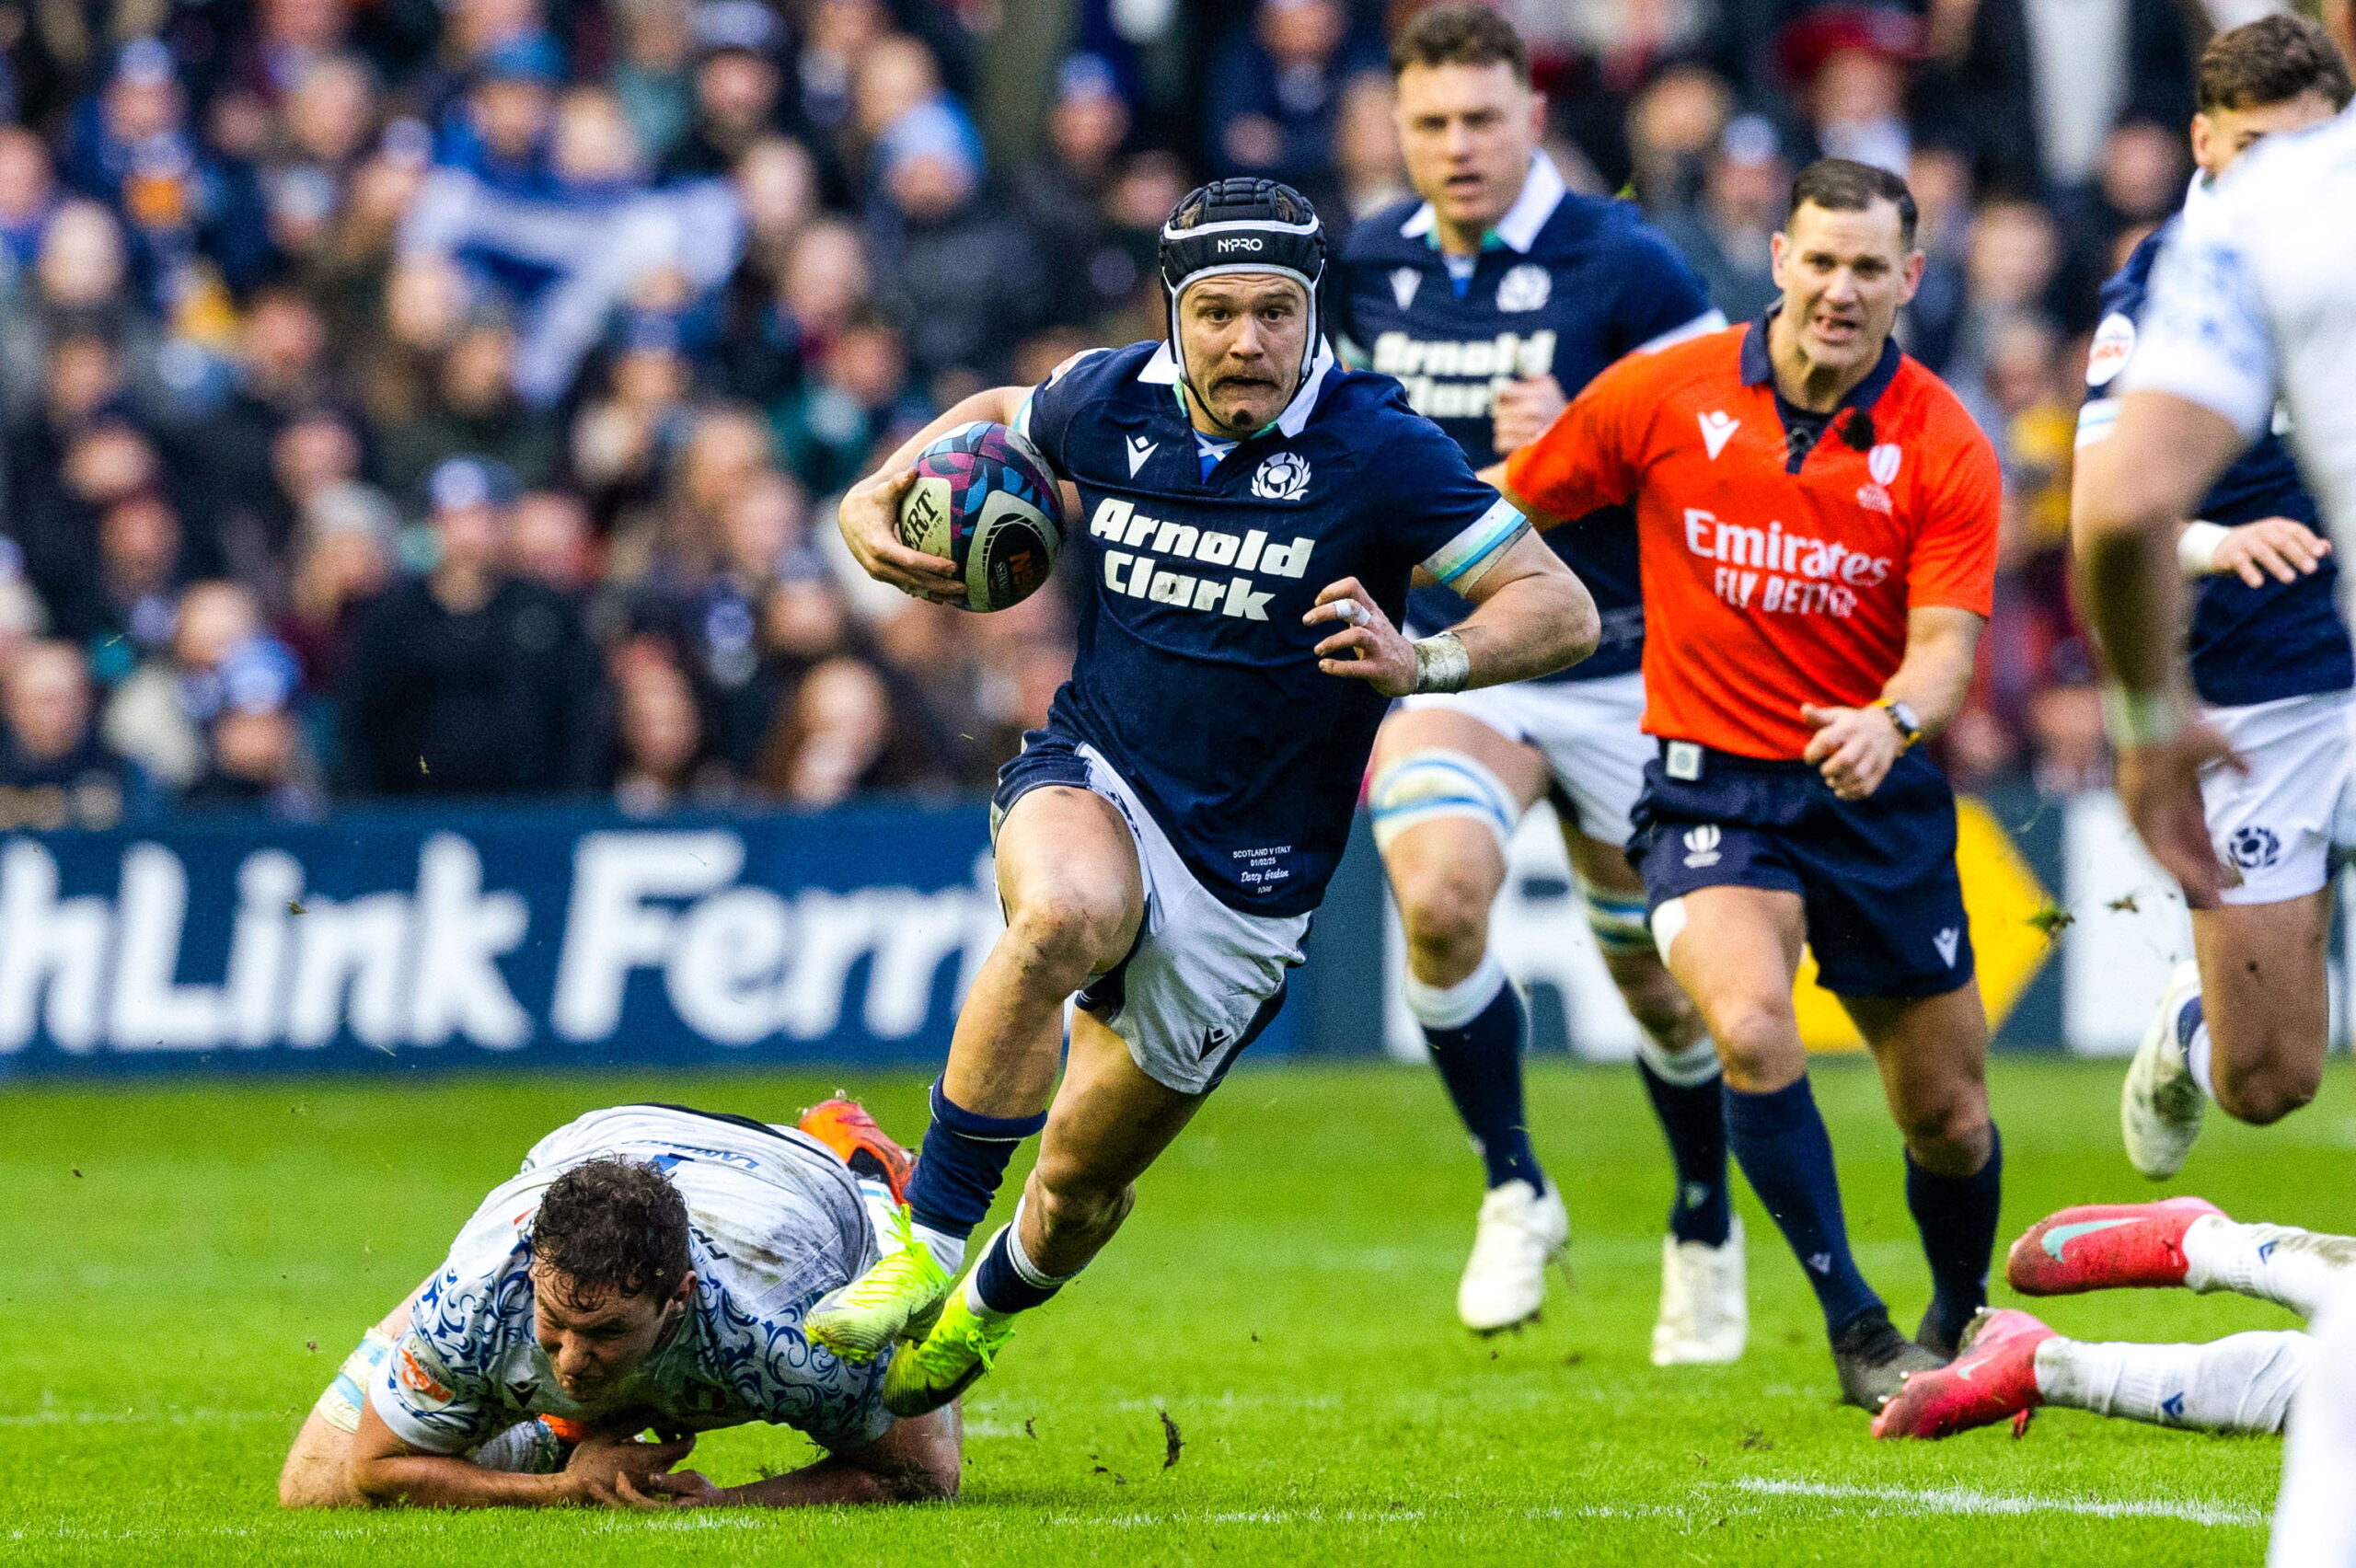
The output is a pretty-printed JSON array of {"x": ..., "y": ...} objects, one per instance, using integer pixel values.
[{"x": 1857, "y": 430}]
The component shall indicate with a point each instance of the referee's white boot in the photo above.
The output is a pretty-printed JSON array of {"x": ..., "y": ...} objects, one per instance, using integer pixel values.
[
  {"x": 1521, "y": 1231},
  {"x": 1704, "y": 1302},
  {"x": 2159, "y": 1106}
]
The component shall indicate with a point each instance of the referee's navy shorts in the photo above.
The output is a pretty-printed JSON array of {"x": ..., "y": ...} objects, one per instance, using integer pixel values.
[{"x": 1876, "y": 877}]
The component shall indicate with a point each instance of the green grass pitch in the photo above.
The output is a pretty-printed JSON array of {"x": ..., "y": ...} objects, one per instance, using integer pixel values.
[{"x": 184, "y": 1266}]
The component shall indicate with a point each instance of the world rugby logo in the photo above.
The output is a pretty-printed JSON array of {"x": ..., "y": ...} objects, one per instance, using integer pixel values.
[
  {"x": 1284, "y": 477},
  {"x": 1701, "y": 845},
  {"x": 1882, "y": 461}
]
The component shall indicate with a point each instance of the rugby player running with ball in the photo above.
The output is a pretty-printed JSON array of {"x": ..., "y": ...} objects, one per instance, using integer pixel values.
[
  {"x": 1490, "y": 298},
  {"x": 1817, "y": 516},
  {"x": 1249, "y": 516}
]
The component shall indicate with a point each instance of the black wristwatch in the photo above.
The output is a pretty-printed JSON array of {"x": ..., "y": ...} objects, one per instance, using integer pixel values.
[{"x": 1909, "y": 728}]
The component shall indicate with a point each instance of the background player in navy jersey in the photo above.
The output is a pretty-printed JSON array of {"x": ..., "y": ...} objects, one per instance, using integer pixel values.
[
  {"x": 2246, "y": 1022},
  {"x": 1493, "y": 298},
  {"x": 1249, "y": 516}
]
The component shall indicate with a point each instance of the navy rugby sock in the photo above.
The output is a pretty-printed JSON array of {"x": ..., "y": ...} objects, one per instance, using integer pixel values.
[
  {"x": 1475, "y": 1032},
  {"x": 1784, "y": 1150},
  {"x": 1006, "y": 1280},
  {"x": 1693, "y": 1117},
  {"x": 1956, "y": 1216},
  {"x": 958, "y": 1172}
]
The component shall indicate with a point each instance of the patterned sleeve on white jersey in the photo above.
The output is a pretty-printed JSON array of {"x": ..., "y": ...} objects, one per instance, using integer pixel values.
[
  {"x": 784, "y": 1378},
  {"x": 2203, "y": 337},
  {"x": 430, "y": 1394}
]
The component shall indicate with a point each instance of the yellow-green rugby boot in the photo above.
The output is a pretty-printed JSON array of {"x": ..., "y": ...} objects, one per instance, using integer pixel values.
[
  {"x": 900, "y": 1297},
  {"x": 961, "y": 1346}
]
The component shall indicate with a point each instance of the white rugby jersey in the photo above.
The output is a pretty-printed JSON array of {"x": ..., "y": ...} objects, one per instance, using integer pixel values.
[
  {"x": 776, "y": 1221},
  {"x": 2256, "y": 294}
]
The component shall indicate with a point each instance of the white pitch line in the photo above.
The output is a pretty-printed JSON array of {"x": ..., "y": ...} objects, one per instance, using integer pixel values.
[
  {"x": 136, "y": 1417},
  {"x": 1962, "y": 1500},
  {"x": 1257, "y": 1517}
]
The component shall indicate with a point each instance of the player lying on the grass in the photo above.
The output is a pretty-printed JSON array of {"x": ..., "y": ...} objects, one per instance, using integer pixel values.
[
  {"x": 1819, "y": 520},
  {"x": 1493, "y": 250},
  {"x": 2010, "y": 1362},
  {"x": 2245, "y": 1025},
  {"x": 1253, "y": 514},
  {"x": 649, "y": 1268}
]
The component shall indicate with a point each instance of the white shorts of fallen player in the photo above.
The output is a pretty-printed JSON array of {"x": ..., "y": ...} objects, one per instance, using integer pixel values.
[
  {"x": 1203, "y": 979},
  {"x": 2280, "y": 820},
  {"x": 1589, "y": 732}
]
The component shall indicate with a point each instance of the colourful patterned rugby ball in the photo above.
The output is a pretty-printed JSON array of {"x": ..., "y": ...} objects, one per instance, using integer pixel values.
[{"x": 984, "y": 499}]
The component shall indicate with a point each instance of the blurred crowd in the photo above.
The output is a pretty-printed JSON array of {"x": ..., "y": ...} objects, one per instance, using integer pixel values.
[{"x": 414, "y": 398}]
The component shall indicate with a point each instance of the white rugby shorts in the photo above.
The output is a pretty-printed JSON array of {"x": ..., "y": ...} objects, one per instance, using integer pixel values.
[
  {"x": 1590, "y": 733},
  {"x": 1203, "y": 980},
  {"x": 2277, "y": 821}
]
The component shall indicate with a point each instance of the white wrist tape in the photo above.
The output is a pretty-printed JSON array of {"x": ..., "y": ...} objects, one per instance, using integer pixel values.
[
  {"x": 1442, "y": 664},
  {"x": 2196, "y": 547},
  {"x": 2137, "y": 718}
]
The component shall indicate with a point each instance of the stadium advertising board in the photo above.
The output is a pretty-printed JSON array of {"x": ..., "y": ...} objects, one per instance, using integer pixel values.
[
  {"x": 564, "y": 937},
  {"x": 403, "y": 940},
  {"x": 2075, "y": 930}
]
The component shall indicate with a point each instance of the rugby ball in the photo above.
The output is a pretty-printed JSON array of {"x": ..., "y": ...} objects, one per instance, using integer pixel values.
[{"x": 984, "y": 499}]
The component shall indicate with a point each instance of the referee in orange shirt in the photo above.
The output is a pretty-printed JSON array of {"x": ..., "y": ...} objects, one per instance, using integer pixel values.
[{"x": 1816, "y": 516}]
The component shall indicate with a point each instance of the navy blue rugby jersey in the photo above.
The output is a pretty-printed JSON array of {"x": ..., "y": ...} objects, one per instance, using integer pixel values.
[
  {"x": 2247, "y": 644},
  {"x": 1193, "y": 674},
  {"x": 1564, "y": 285}
]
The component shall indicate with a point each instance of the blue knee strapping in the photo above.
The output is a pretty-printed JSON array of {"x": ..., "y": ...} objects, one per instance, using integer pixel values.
[
  {"x": 1427, "y": 785},
  {"x": 1618, "y": 920}
]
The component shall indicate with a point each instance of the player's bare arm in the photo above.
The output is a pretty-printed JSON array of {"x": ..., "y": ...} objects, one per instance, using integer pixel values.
[
  {"x": 1533, "y": 617},
  {"x": 2130, "y": 493},
  {"x": 386, "y": 1471},
  {"x": 917, "y": 1461},
  {"x": 870, "y": 512},
  {"x": 1854, "y": 746}
]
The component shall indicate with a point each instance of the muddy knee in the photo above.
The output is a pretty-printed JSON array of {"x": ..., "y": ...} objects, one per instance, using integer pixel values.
[
  {"x": 1071, "y": 1202},
  {"x": 1073, "y": 932},
  {"x": 1949, "y": 1135},
  {"x": 2264, "y": 1092}
]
